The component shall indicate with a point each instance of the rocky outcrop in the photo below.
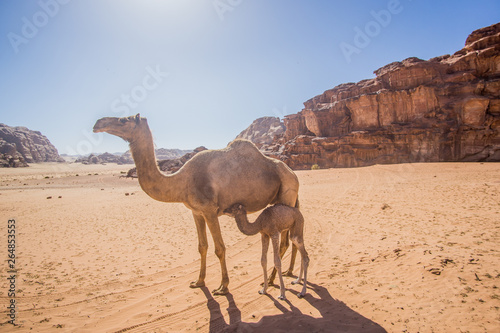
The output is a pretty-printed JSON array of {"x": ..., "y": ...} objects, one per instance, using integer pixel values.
[
  {"x": 168, "y": 154},
  {"x": 20, "y": 145},
  {"x": 9, "y": 161},
  {"x": 172, "y": 165},
  {"x": 263, "y": 131},
  {"x": 443, "y": 109}
]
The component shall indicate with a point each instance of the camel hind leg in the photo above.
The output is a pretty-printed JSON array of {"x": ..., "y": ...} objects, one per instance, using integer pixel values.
[
  {"x": 289, "y": 272},
  {"x": 303, "y": 269},
  {"x": 298, "y": 241}
]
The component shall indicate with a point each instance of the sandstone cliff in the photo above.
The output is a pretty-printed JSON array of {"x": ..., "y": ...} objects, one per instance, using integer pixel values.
[
  {"x": 263, "y": 131},
  {"x": 443, "y": 109},
  {"x": 19, "y": 146}
]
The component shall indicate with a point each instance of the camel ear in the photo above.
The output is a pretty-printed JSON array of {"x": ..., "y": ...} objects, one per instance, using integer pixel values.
[{"x": 138, "y": 118}]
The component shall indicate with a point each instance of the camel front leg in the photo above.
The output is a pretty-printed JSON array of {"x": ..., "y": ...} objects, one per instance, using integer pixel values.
[
  {"x": 202, "y": 248},
  {"x": 283, "y": 247},
  {"x": 277, "y": 265},
  {"x": 263, "y": 261},
  {"x": 220, "y": 252}
]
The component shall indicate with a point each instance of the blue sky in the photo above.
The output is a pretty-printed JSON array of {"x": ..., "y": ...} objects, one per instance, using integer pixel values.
[{"x": 202, "y": 70}]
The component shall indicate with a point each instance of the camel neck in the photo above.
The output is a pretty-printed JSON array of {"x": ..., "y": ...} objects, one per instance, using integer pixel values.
[
  {"x": 246, "y": 227},
  {"x": 161, "y": 187}
]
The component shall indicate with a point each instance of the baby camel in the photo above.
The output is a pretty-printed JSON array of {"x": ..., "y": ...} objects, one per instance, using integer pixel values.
[{"x": 271, "y": 223}]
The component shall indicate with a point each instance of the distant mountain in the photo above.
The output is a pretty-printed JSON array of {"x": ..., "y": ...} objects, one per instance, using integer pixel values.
[
  {"x": 126, "y": 158},
  {"x": 20, "y": 145},
  {"x": 164, "y": 154},
  {"x": 171, "y": 165},
  {"x": 105, "y": 158}
]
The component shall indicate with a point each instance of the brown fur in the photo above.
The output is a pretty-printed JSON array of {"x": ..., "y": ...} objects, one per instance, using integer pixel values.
[{"x": 272, "y": 222}]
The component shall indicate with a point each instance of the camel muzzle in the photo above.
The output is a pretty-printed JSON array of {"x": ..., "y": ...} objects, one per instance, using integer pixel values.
[{"x": 104, "y": 124}]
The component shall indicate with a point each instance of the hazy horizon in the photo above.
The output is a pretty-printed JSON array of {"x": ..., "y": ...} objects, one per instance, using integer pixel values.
[{"x": 202, "y": 71}]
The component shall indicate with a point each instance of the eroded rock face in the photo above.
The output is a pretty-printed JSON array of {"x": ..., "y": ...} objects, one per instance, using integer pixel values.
[
  {"x": 263, "y": 130},
  {"x": 443, "y": 109},
  {"x": 20, "y": 145}
]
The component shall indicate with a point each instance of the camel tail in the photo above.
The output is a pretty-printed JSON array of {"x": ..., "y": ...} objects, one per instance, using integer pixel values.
[{"x": 297, "y": 205}]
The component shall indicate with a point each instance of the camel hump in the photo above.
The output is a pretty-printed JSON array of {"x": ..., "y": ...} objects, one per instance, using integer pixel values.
[{"x": 289, "y": 190}]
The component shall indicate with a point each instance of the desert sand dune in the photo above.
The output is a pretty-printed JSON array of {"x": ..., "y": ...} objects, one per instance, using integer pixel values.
[{"x": 408, "y": 247}]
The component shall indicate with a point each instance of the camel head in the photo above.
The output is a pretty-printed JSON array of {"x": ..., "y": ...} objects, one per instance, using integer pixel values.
[
  {"x": 126, "y": 128},
  {"x": 236, "y": 209}
]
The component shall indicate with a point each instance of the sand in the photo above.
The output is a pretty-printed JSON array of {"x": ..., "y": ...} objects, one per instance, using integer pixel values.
[{"x": 396, "y": 248}]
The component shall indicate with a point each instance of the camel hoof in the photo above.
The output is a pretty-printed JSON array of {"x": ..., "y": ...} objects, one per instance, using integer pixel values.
[
  {"x": 262, "y": 292},
  {"x": 220, "y": 291},
  {"x": 283, "y": 298},
  {"x": 288, "y": 273},
  {"x": 300, "y": 295},
  {"x": 196, "y": 284},
  {"x": 295, "y": 282}
]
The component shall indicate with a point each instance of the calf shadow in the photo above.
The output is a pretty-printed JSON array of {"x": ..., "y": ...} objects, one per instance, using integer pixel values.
[{"x": 336, "y": 316}]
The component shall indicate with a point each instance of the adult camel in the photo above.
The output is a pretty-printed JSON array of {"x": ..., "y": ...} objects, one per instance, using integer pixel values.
[{"x": 209, "y": 183}]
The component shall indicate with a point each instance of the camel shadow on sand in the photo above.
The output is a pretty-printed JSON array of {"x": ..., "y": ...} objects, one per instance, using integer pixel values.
[{"x": 335, "y": 316}]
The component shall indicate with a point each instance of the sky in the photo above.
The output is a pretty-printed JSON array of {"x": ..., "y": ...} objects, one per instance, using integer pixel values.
[{"x": 201, "y": 71}]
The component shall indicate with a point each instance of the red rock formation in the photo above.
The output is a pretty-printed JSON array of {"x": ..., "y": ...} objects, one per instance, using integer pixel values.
[
  {"x": 263, "y": 130},
  {"x": 443, "y": 109}
]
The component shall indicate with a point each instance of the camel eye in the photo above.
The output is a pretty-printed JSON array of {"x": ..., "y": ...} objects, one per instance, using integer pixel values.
[{"x": 123, "y": 120}]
